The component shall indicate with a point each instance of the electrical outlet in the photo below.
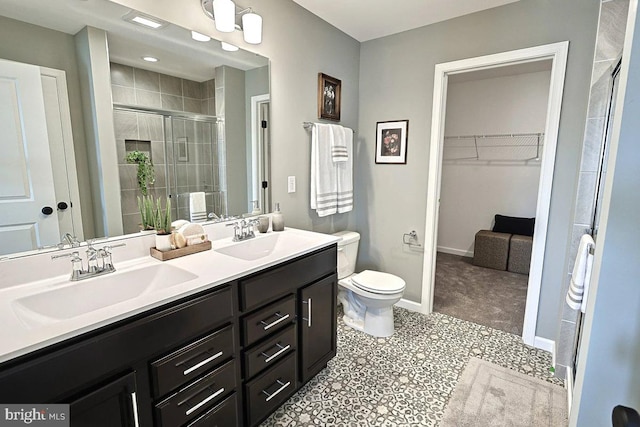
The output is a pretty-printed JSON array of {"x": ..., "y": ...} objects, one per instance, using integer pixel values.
[{"x": 291, "y": 184}]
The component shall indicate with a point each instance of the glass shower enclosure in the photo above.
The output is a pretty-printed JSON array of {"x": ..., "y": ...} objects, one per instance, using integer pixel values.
[{"x": 188, "y": 153}]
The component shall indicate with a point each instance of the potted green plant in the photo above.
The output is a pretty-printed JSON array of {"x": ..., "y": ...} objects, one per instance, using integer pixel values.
[
  {"x": 146, "y": 174},
  {"x": 146, "y": 205},
  {"x": 162, "y": 224}
]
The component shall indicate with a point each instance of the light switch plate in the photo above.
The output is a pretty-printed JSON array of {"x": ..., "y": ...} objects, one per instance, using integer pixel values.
[{"x": 291, "y": 184}]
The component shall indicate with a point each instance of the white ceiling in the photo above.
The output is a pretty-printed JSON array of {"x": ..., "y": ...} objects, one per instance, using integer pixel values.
[
  {"x": 370, "y": 19},
  {"x": 179, "y": 54}
]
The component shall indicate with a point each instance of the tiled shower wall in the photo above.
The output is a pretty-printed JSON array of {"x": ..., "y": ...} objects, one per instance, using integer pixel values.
[
  {"x": 134, "y": 86},
  {"x": 147, "y": 132},
  {"x": 609, "y": 43}
]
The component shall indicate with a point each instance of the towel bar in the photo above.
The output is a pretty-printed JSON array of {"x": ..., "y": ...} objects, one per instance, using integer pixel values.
[{"x": 309, "y": 125}]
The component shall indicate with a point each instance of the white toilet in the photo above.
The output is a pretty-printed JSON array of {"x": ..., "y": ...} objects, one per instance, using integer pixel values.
[{"x": 367, "y": 297}]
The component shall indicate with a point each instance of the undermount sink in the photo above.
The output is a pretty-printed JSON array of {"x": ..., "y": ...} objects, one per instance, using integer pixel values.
[
  {"x": 252, "y": 249},
  {"x": 73, "y": 299}
]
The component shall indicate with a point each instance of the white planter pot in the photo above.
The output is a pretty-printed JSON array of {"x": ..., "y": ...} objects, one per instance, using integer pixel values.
[{"x": 163, "y": 242}]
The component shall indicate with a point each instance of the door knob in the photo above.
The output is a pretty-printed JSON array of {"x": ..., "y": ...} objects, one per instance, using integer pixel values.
[
  {"x": 47, "y": 210},
  {"x": 62, "y": 206}
]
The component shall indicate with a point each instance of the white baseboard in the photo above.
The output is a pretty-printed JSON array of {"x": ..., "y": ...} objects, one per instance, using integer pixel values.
[
  {"x": 546, "y": 344},
  {"x": 454, "y": 251},
  {"x": 409, "y": 305}
]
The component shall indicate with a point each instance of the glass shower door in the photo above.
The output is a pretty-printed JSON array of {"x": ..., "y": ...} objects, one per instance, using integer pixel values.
[{"x": 195, "y": 163}]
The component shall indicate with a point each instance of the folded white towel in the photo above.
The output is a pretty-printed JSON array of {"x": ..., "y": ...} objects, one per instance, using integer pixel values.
[
  {"x": 197, "y": 207},
  {"x": 345, "y": 170},
  {"x": 339, "y": 150},
  {"x": 324, "y": 183},
  {"x": 581, "y": 274}
]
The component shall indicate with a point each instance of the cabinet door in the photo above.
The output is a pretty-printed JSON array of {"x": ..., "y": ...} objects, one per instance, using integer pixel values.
[
  {"x": 317, "y": 327},
  {"x": 111, "y": 405}
]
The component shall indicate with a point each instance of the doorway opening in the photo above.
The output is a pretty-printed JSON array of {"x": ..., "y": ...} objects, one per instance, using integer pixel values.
[
  {"x": 555, "y": 53},
  {"x": 493, "y": 143}
]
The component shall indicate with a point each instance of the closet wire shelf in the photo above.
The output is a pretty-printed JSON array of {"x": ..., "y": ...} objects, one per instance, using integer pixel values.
[{"x": 507, "y": 147}]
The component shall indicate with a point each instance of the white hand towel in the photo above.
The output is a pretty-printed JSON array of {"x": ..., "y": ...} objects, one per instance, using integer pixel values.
[
  {"x": 324, "y": 186},
  {"x": 339, "y": 150},
  {"x": 581, "y": 273},
  {"x": 197, "y": 207},
  {"x": 345, "y": 170}
]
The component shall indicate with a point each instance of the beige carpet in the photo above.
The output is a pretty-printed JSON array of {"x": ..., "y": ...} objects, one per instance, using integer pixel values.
[{"x": 490, "y": 395}]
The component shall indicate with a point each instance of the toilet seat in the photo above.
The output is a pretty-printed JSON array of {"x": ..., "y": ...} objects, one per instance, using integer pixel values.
[{"x": 378, "y": 282}]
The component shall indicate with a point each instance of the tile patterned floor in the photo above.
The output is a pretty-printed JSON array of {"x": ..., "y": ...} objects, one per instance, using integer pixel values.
[{"x": 404, "y": 380}]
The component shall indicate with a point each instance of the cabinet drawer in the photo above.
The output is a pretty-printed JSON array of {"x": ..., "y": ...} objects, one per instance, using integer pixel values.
[
  {"x": 270, "y": 389},
  {"x": 270, "y": 352},
  {"x": 192, "y": 360},
  {"x": 196, "y": 398},
  {"x": 269, "y": 319},
  {"x": 264, "y": 287},
  {"x": 225, "y": 414}
]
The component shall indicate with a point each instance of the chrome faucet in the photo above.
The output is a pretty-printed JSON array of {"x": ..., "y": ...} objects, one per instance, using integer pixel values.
[
  {"x": 69, "y": 239},
  {"x": 99, "y": 262},
  {"x": 243, "y": 230}
]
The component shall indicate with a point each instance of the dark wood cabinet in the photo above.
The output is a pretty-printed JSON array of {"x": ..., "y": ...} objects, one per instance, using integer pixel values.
[
  {"x": 227, "y": 357},
  {"x": 111, "y": 405},
  {"x": 317, "y": 328}
]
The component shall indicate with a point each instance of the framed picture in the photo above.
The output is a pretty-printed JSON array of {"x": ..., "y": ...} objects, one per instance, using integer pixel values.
[
  {"x": 182, "y": 149},
  {"x": 391, "y": 141},
  {"x": 329, "y": 90}
]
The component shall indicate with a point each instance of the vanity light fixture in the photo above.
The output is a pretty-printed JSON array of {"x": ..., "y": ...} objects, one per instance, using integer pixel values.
[
  {"x": 199, "y": 36},
  {"x": 229, "y": 47},
  {"x": 224, "y": 13},
  {"x": 150, "y": 59},
  {"x": 138, "y": 18},
  {"x": 252, "y": 24}
]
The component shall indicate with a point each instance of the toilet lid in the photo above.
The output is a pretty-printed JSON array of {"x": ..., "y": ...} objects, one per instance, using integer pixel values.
[{"x": 378, "y": 282}]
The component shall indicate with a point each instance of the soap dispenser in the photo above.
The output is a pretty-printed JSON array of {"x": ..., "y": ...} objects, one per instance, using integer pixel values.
[
  {"x": 277, "y": 220},
  {"x": 256, "y": 208}
]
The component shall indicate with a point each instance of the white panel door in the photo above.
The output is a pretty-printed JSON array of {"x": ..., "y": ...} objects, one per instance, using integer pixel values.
[{"x": 28, "y": 216}]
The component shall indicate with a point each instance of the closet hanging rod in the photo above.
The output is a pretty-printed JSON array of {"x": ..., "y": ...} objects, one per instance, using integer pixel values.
[
  {"x": 499, "y": 135},
  {"x": 309, "y": 125}
]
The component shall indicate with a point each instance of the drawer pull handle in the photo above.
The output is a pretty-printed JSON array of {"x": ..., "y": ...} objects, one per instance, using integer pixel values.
[
  {"x": 308, "y": 319},
  {"x": 278, "y": 353},
  {"x": 275, "y": 393},
  {"x": 134, "y": 406},
  {"x": 201, "y": 364},
  {"x": 272, "y": 324},
  {"x": 205, "y": 401}
]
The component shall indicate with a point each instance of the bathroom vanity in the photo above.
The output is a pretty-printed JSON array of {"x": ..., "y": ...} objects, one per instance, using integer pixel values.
[{"x": 228, "y": 352}]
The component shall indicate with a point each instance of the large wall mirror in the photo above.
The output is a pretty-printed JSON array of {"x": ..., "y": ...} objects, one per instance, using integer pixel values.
[{"x": 199, "y": 113}]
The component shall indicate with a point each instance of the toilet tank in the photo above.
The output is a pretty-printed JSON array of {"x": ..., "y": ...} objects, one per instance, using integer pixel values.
[{"x": 347, "y": 252}]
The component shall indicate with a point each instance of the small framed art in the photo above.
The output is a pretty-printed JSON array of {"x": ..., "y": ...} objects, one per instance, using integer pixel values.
[
  {"x": 329, "y": 91},
  {"x": 391, "y": 141}
]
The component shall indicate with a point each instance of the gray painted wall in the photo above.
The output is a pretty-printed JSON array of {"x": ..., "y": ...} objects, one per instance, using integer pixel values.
[
  {"x": 299, "y": 45},
  {"x": 396, "y": 82},
  {"x": 35, "y": 45},
  {"x": 609, "y": 360}
]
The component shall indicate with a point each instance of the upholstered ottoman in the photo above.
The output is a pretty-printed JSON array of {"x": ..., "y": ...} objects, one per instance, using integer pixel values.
[
  {"x": 491, "y": 249},
  {"x": 520, "y": 254}
]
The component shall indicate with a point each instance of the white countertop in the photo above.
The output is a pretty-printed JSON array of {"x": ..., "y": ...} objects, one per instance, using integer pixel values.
[{"x": 212, "y": 269}]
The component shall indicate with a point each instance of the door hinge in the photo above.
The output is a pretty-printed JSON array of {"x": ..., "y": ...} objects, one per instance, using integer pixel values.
[
  {"x": 265, "y": 184},
  {"x": 264, "y": 124}
]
